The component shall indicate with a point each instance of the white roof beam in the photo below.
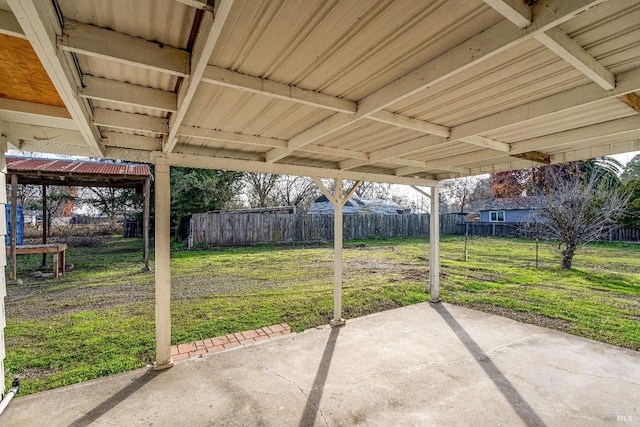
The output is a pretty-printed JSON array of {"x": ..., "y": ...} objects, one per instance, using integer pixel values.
[
  {"x": 176, "y": 159},
  {"x": 206, "y": 39},
  {"x": 574, "y": 98},
  {"x": 479, "y": 48},
  {"x": 10, "y": 26},
  {"x": 481, "y": 141},
  {"x": 30, "y": 132},
  {"x": 566, "y": 48},
  {"x": 136, "y": 142},
  {"x": 516, "y": 11},
  {"x": 128, "y": 94},
  {"x": 217, "y": 135},
  {"x": 136, "y": 122},
  {"x": 98, "y": 42},
  {"x": 405, "y": 122},
  {"x": 40, "y": 23},
  {"x": 252, "y": 84}
]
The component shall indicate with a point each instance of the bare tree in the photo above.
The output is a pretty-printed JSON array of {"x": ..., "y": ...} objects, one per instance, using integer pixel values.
[
  {"x": 465, "y": 192},
  {"x": 260, "y": 189},
  {"x": 298, "y": 191},
  {"x": 578, "y": 211}
]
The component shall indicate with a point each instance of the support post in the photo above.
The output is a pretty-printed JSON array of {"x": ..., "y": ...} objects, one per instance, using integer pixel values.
[
  {"x": 3, "y": 260},
  {"x": 45, "y": 225},
  {"x": 146, "y": 191},
  {"x": 338, "y": 320},
  {"x": 13, "y": 275},
  {"x": 338, "y": 201},
  {"x": 434, "y": 246},
  {"x": 162, "y": 266}
]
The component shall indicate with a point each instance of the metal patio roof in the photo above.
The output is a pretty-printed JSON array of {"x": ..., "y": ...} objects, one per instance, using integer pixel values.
[
  {"x": 77, "y": 173},
  {"x": 394, "y": 90}
]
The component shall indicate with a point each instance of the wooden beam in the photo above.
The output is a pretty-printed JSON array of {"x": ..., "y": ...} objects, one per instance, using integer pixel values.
[
  {"x": 218, "y": 135},
  {"x": 98, "y": 42},
  {"x": 28, "y": 132},
  {"x": 399, "y": 120},
  {"x": 632, "y": 100},
  {"x": 252, "y": 84},
  {"x": 481, "y": 141},
  {"x": 563, "y": 102},
  {"x": 189, "y": 160},
  {"x": 33, "y": 108},
  {"x": 41, "y": 24},
  {"x": 566, "y": 48},
  {"x": 128, "y": 94},
  {"x": 516, "y": 11},
  {"x": 480, "y": 48},
  {"x": 10, "y": 26},
  {"x": 206, "y": 39},
  {"x": 130, "y": 121},
  {"x": 136, "y": 142},
  {"x": 534, "y": 156}
]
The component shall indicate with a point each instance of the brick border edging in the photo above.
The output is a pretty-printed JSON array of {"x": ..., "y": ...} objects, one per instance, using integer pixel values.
[{"x": 211, "y": 345}]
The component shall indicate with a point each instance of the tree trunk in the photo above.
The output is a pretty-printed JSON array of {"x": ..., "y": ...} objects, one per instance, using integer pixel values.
[{"x": 567, "y": 256}]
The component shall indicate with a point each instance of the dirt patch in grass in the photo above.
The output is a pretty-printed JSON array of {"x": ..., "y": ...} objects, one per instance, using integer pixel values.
[{"x": 523, "y": 316}]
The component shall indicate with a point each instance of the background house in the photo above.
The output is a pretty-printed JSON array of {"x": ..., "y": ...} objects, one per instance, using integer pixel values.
[{"x": 512, "y": 209}]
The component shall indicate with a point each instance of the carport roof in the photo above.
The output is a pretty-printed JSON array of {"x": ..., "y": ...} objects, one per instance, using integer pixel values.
[
  {"x": 396, "y": 91},
  {"x": 77, "y": 173}
]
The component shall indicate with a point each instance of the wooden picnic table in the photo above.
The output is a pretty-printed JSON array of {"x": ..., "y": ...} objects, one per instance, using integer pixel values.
[{"x": 57, "y": 249}]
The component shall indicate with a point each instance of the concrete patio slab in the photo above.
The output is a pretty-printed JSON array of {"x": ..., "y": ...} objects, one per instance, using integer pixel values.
[{"x": 425, "y": 364}]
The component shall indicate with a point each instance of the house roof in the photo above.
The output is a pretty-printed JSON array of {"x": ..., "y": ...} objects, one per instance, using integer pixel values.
[
  {"x": 396, "y": 91},
  {"x": 354, "y": 204},
  {"x": 77, "y": 173},
  {"x": 513, "y": 203}
]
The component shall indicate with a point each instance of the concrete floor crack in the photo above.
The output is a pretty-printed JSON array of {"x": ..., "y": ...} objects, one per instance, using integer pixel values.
[{"x": 301, "y": 391}]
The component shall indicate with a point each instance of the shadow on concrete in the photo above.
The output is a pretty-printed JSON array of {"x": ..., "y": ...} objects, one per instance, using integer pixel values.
[
  {"x": 517, "y": 402},
  {"x": 313, "y": 400},
  {"x": 114, "y": 400}
]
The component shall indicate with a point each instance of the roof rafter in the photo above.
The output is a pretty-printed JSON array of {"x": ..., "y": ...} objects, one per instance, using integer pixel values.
[
  {"x": 130, "y": 121},
  {"x": 566, "y": 48},
  {"x": 206, "y": 39},
  {"x": 126, "y": 93},
  {"x": 136, "y": 142},
  {"x": 98, "y": 42},
  {"x": 516, "y": 11},
  {"x": 247, "y": 83},
  {"x": 479, "y": 48},
  {"x": 405, "y": 122},
  {"x": 40, "y": 23}
]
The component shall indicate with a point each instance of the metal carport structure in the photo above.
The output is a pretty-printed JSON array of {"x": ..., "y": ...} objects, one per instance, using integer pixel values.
[{"x": 408, "y": 92}]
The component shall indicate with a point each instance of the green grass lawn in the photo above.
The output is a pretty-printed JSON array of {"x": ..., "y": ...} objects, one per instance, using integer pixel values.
[{"x": 99, "y": 318}]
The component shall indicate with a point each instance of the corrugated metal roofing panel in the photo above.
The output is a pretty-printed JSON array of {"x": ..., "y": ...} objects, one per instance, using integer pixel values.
[
  {"x": 216, "y": 107},
  {"x": 509, "y": 79},
  {"x": 578, "y": 117},
  {"x": 75, "y": 166},
  {"x": 99, "y": 67},
  {"x": 345, "y": 49},
  {"x": 367, "y": 136},
  {"x": 610, "y": 34},
  {"x": 166, "y": 22}
]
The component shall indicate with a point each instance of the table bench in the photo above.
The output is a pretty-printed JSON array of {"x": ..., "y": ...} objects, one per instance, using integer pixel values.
[{"x": 57, "y": 249}]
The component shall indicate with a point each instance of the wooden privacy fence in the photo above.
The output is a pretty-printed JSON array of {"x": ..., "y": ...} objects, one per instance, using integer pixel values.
[
  {"x": 516, "y": 229},
  {"x": 230, "y": 229}
]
